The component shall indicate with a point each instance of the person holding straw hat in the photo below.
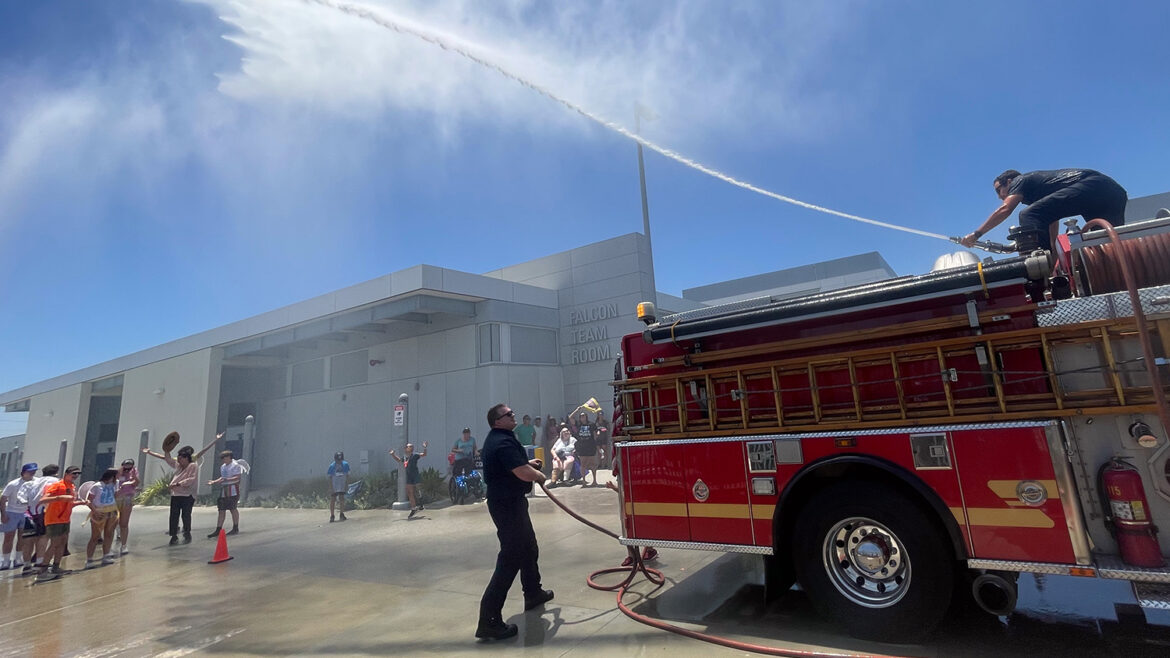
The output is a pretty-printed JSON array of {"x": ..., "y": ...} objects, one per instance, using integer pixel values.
[{"x": 183, "y": 483}]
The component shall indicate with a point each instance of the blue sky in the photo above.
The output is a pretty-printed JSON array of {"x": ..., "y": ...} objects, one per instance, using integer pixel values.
[{"x": 176, "y": 166}]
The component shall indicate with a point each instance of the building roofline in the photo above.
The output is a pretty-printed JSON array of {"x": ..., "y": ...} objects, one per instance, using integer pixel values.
[{"x": 412, "y": 281}]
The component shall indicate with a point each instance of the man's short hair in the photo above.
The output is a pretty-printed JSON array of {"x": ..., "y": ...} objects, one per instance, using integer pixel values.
[
  {"x": 225, "y": 453},
  {"x": 495, "y": 413},
  {"x": 50, "y": 469},
  {"x": 1006, "y": 177}
]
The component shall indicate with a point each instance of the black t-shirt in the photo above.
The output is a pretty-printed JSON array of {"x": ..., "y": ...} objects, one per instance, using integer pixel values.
[
  {"x": 1036, "y": 185},
  {"x": 502, "y": 453},
  {"x": 412, "y": 465},
  {"x": 586, "y": 441}
]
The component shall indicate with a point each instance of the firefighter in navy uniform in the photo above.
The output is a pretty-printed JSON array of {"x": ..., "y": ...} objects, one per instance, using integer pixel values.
[
  {"x": 509, "y": 475},
  {"x": 1051, "y": 196}
]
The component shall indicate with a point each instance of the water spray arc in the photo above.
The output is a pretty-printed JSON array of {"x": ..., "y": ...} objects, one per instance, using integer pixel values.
[{"x": 378, "y": 17}]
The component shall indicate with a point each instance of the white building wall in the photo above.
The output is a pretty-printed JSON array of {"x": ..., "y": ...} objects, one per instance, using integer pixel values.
[
  {"x": 599, "y": 286},
  {"x": 55, "y": 416},
  {"x": 189, "y": 405},
  {"x": 448, "y": 390}
]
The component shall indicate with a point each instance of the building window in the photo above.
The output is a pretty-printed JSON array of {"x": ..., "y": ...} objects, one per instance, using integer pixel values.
[
  {"x": 349, "y": 369},
  {"x": 489, "y": 343},
  {"x": 533, "y": 345},
  {"x": 308, "y": 376}
]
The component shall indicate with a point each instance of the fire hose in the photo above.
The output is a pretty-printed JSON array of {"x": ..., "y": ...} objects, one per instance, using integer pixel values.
[{"x": 637, "y": 565}]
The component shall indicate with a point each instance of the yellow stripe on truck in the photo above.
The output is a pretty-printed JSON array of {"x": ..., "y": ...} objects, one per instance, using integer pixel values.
[
  {"x": 657, "y": 509},
  {"x": 998, "y": 517},
  {"x": 719, "y": 511},
  {"x": 1006, "y": 489},
  {"x": 701, "y": 510}
]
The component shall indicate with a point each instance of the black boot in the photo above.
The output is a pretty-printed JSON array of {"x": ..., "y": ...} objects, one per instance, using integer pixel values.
[
  {"x": 495, "y": 630},
  {"x": 538, "y": 599},
  {"x": 174, "y": 540},
  {"x": 187, "y": 537},
  {"x": 214, "y": 533}
]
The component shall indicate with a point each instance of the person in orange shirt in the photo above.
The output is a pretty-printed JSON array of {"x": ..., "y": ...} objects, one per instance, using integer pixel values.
[{"x": 59, "y": 499}]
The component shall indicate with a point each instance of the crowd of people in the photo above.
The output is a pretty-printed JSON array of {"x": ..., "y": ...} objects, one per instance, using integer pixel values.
[
  {"x": 36, "y": 512},
  {"x": 574, "y": 447}
]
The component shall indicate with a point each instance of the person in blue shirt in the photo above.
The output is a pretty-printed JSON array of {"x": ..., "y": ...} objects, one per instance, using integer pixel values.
[
  {"x": 463, "y": 453},
  {"x": 338, "y": 481}
]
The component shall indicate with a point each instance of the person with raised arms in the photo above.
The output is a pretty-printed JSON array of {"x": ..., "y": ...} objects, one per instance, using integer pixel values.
[{"x": 183, "y": 483}]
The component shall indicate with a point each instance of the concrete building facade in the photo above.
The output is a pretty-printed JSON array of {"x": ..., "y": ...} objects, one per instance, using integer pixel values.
[{"x": 292, "y": 386}]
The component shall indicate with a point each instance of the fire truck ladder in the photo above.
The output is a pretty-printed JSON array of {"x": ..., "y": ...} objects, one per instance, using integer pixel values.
[{"x": 961, "y": 379}]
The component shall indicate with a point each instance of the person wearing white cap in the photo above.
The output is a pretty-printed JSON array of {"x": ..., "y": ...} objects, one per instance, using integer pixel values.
[{"x": 12, "y": 516}]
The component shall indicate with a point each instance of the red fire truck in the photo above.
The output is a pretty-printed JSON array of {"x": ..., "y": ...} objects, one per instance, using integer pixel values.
[{"x": 895, "y": 444}]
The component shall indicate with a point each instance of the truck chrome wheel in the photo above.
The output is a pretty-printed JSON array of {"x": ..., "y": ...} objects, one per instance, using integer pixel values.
[
  {"x": 852, "y": 544},
  {"x": 866, "y": 562}
]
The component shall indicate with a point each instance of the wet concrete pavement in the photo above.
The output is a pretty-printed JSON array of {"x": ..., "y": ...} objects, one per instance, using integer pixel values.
[{"x": 381, "y": 584}]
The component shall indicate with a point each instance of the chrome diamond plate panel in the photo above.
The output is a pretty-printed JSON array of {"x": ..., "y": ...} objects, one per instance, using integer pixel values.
[
  {"x": 1104, "y": 307},
  {"x": 1110, "y": 566},
  {"x": 698, "y": 546},
  {"x": 1154, "y": 596},
  {"x": 1026, "y": 567}
]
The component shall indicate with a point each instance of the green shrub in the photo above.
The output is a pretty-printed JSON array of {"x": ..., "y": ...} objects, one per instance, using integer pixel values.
[
  {"x": 432, "y": 487},
  {"x": 158, "y": 493},
  {"x": 379, "y": 491}
]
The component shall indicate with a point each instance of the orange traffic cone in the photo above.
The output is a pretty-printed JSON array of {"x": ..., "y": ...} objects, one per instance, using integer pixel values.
[{"x": 221, "y": 554}]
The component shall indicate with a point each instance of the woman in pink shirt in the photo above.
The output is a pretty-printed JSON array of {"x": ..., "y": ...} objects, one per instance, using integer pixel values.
[
  {"x": 183, "y": 484},
  {"x": 124, "y": 498}
]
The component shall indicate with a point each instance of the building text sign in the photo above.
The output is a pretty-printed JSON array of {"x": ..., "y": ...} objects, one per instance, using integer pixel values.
[{"x": 585, "y": 327}]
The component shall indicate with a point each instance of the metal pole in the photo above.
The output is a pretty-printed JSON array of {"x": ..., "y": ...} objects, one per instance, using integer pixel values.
[
  {"x": 402, "y": 432},
  {"x": 247, "y": 449},
  {"x": 143, "y": 466},
  {"x": 645, "y": 204}
]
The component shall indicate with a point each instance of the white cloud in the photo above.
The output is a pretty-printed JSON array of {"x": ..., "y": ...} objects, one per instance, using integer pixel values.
[
  {"x": 710, "y": 72},
  {"x": 707, "y": 70}
]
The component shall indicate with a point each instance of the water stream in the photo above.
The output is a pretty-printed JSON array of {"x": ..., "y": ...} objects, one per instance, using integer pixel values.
[{"x": 383, "y": 19}]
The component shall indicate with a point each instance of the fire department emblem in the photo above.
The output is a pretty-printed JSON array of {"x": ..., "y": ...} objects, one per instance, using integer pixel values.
[
  {"x": 701, "y": 491},
  {"x": 1031, "y": 493}
]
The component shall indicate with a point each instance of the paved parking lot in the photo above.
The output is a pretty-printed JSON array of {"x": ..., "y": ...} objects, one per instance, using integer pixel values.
[{"x": 382, "y": 584}]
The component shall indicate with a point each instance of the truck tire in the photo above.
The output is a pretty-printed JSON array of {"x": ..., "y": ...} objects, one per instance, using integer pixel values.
[{"x": 872, "y": 559}]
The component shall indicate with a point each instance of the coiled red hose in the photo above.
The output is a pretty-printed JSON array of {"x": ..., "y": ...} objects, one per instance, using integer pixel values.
[
  {"x": 658, "y": 579},
  {"x": 1123, "y": 254},
  {"x": 1148, "y": 257}
]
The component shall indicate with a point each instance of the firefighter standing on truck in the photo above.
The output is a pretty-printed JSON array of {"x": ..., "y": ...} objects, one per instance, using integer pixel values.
[{"x": 1051, "y": 196}]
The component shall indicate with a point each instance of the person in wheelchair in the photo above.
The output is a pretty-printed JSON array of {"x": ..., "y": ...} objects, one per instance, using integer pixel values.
[{"x": 463, "y": 453}]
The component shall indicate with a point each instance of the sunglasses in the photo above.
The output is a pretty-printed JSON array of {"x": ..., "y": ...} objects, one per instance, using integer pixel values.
[{"x": 511, "y": 414}]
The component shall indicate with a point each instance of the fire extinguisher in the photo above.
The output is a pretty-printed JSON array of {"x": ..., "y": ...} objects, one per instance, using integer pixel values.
[{"x": 1127, "y": 513}]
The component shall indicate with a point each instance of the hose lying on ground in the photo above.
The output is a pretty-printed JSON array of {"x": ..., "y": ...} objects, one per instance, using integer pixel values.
[{"x": 637, "y": 565}]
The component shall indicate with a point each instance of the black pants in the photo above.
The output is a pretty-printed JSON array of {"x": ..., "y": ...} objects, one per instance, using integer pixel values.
[
  {"x": 462, "y": 466},
  {"x": 181, "y": 505},
  {"x": 1093, "y": 197},
  {"x": 518, "y": 553}
]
